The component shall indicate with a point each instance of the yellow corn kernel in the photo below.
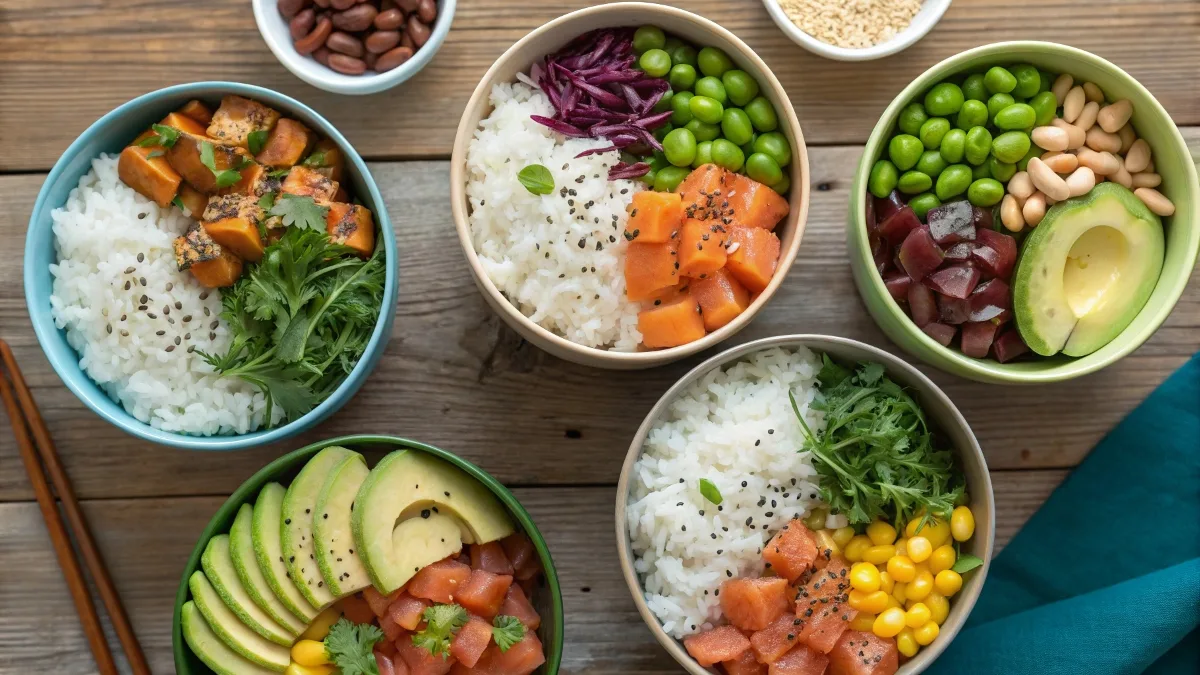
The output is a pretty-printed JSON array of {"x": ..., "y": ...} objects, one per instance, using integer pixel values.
[
  {"x": 917, "y": 615},
  {"x": 920, "y": 587},
  {"x": 918, "y": 549},
  {"x": 853, "y": 550},
  {"x": 910, "y": 529},
  {"x": 825, "y": 542},
  {"x": 843, "y": 535},
  {"x": 893, "y": 601},
  {"x": 906, "y": 643},
  {"x": 886, "y": 582},
  {"x": 902, "y": 569},
  {"x": 297, "y": 669},
  {"x": 962, "y": 523},
  {"x": 815, "y": 519},
  {"x": 898, "y": 591},
  {"x": 319, "y": 628},
  {"x": 889, "y": 623},
  {"x": 926, "y": 634},
  {"x": 937, "y": 532},
  {"x": 939, "y": 607},
  {"x": 879, "y": 555},
  {"x": 902, "y": 546},
  {"x": 862, "y": 621},
  {"x": 881, "y": 533},
  {"x": 871, "y": 603},
  {"x": 942, "y": 558},
  {"x": 864, "y": 576},
  {"x": 948, "y": 582},
  {"x": 310, "y": 653}
]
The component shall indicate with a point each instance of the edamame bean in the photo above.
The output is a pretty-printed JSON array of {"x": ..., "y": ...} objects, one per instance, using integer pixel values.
[
  {"x": 932, "y": 163},
  {"x": 997, "y": 103},
  {"x": 680, "y": 104},
  {"x": 1015, "y": 116},
  {"x": 923, "y": 203},
  {"x": 1034, "y": 151},
  {"x": 972, "y": 114},
  {"x": 664, "y": 103},
  {"x": 763, "y": 169},
  {"x": 914, "y": 182},
  {"x": 669, "y": 177},
  {"x": 883, "y": 178},
  {"x": 713, "y": 61},
  {"x": 748, "y": 148},
  {"x": 741, "y": 87},
  {"x": 953, "y": 182},
  {"x": 661, "y": 132},
  {"x": 1011, "y": 146},
  {"x": 703, "y": 131},
  {"x": 703, "y": 154},
  {"x": 648, "y": 178},
  {"x": 904, "y": 151},
  {"x": 1044, "y": 107},
  {"x": 647, "y": 38},
  {"x": 774, "y": 145},
  {"x": 735, "y": 125},
  {"x": 911, "y": 118},
  {"x": 656, "y": 63},
  {"x": 953, "y": 146},
  {"x": 999, "y": 81},
  {"x": 680, "y": 147},
  {"x": 762, "y": 114},
  {"x": 685, "y": 54},
  {"x": 705, "y": 109},
  {"x": 783, "y": 185},
  {"x": 671, "y": 44},
  {"x": 985, "y": 192},
  {"x": 728, "y": 155},
  {"x": 1029, "y": 82},
  {"x": 980, "y": 171},
  {"x": 978, "y": 145},
  {"x": 682, "y": 77},
  {"x": 1001, "y": 171},
  {"x": 1047, "y": 81},
  {"x": 658, "y": 160},
  {"x": 712, "y": 88},
  {"x": 933, "y": 130},
  {"x": 944, "y": 99},
  {"x": 974, "y": 89}
]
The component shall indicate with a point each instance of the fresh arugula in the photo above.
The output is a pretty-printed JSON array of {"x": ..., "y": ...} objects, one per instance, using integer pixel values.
[
  {"x": 317, "y": 159},
  {"x": 441, "y": 623},
  {"x": 163, "y": 135},
  {"x": 301, "y": 211},
  {"x": 507, "y": 631},
  {"x": 349, "y": 646},
  {"x": 224, "y": 177},
  {"x": 876, "y": 456},
  {"x": 255, "y": 140}
]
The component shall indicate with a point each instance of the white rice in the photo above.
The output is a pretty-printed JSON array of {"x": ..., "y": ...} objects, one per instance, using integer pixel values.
[
  {"x": 736, "y": 428},
  {"x": 99, "y": 234},
  {"x": 541, "y": 250}
]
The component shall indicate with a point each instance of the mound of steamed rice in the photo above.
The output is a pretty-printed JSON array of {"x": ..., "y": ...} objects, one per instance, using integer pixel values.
[
  {"x": 135, "y": 320},
  {"x": 735, "y": 427},
  {"x": 558, "y": 258}
]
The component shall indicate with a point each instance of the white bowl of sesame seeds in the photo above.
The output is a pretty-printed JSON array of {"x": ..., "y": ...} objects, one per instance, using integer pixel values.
[{"x": 856, "y": 30}]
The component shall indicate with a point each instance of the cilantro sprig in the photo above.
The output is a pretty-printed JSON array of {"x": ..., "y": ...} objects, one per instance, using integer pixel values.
[
  {"x": 507, "y": 631},
  {"x": 441, "y": 624},
  {"x": 224, "y": 177},
  {"x": 163, "y": 135},
  {"x": 300, "y": 211},
  {"x": 256, "y": 139},
  {"x": 349, "y": 646}
]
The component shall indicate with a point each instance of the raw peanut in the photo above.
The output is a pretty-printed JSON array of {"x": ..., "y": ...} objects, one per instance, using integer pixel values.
[
  {"x": 1075, "y": 136},
  {"x": 369, "y": 58},
  {"x": 1128, "y": 136},
  {"x": 1146, "y": 180},
  {"x": 1034, "y": 209},
  {"x": 290, "y": 8},
  {"x": 1010, "y": 214},
  {"x": 427, "y": 10},
  {"x": 1101, "y": 163},
  {"x": 309, "y": 43},
  {"x": 302, "y": 23},
  {"x": 1063, "y": 162},
  {"x": 408, "y": 5},
  {"x": 389, "y": 19},
  {"x": 418, "y": 31},
  {"x": 1073, "y": 104},
  {"x": 382, "y": 40},
  {"x": 1047, "y": 181},
  {"x": 347, "y": 65},
  {"x": 323, "y": 4},
  {"x": 407, "y": 42},
  {"x": 343, "y": 4},
  {"x": 1113, "y": 117},
  {"x": 1093, "y": 92},
  {"x": 1050, "y": 138},
  {"x": 392, "y": 58},
  {"x": 322, "y": 56},
  {"x": 1087, "y": 116},
  {"x": 1061, "y": 86},
  {"x": 1155, "y": 201},
  {"x": 1020, "y": 186},
  {"x": 1081, "y": 181},
  {"x": 1122, "y": 175},
  {"x": 357, "y": 18},
  {"x": 1101, "y": 141},
  {"x": 345, "y": 43},
  {"x": 1138, "y": 156}
]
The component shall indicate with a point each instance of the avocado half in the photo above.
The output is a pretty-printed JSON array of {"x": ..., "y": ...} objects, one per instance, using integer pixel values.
[{"x": 1086, "y": 271}]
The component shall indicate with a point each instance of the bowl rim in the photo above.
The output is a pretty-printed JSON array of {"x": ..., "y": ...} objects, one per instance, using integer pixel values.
[
  {"x": 987, "y": 370},
  {"x": 925, "y": 387},
  {"x": 354, "y": 85},
  {"x": 897, "y": 43},
  {"x": 251, "y": 486},
  {"x": 45, "y": 330},
  {"x": 591, "y": 355}
]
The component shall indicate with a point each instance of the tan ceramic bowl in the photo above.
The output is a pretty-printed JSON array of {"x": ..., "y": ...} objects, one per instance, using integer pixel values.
[
  {"x": 549, "y": 38},
  {"x": 942, "y": 415}
]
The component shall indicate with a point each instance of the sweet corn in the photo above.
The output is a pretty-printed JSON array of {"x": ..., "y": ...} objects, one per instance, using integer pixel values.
[
  {"x": 898, "y": 591},
  {"x": 938, "y": 533},
  {"x": 309, "y": 653},
  {"x": 948, "y": 582},
  {"x": 871, "y": 603},
  {"x": 901, "y": 568},
  {"x": 825, "y": 542},
  {"x": 815, "y": 520},
  {"x": 910, "y": 529},
  {"x": 862, "y": 621},
  {"x": 893, "y": 601},
  {"x": 918, "y": 549},
  {"x": 962, "y": 523},
  {"x": 917, "y": 615},
  {"x": 889, "y": 623},
  {"x": 902, "y": 546},
  {"x": 926, "y": 634},
  {"x": 853, "y": 550},
  {"x": 319, "y": 628},
  {"x": 942, "y": 558},
  {"x": 939, "y": 607},
  {"x": 864, "y": 576},
  {"x": 881, "y": 533},
  {"x": 920, "y": 587},
  {"x": 879, "y": 554},
  {"x": 886, "y": 582},
  {"x": 906, "y": 643},
  {"x": 843, "y": 535},
  {"x": 297, "y": 669}
]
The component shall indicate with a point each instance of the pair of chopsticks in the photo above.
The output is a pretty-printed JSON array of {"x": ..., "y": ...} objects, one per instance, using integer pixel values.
[{"x": 37, "y": 454}]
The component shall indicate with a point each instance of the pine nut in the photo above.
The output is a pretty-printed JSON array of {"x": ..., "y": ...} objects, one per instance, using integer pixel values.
[
  {"x": 1093, "y": 92},
  {"x": 1113, "y": 117},
  {"x": 1076, "y": 137},
  {"x": 1138, "y": 156},
  {"x": 1034, "y": 209},
  {"x": 1061, "y": 86},
  {"x": 1102, "y": 141},
  {"x": 1087, "y": 116},
  {"x": 1122, "y": 175},
  {"x": 1047, "y": 181},
  {"x": 1128, "y": 136},
  {"x": 1081, "y": 181},
  {"x": 1155, "y": 201},
  {"x": 1020, "y": 186},
  {"x": 1146, "y": 180},
  {"x": 1073, "y": 104},
  {"x": 1063, "y": 162},
  {"x": 1050, "y": 138},
  {"x": 1101, "y": 163},
  {"x": 1150, "y": 167},
  {"x": 1010, "y": 214}
]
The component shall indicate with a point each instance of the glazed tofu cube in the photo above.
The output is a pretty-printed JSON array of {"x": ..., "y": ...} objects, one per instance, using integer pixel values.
[
  {"x": 183, "y": 123},
  {"x": 238, "y": 117},
  {"x": 286, "y": 145},
  {"x": 193, "y": 200},
  {"x": 254, "y": 181},
  {"x": 151, "y": 177},
  {"x": 304, "y": 182},
  {"x": 244, "y": 206},
  {"x": 218, "y": 272},
  {"x": 195, "y": 247},
  {"x": 328, "y": 159},
  {"x": 185, "y": 156},
  {"x": 351, "y": 225},
  {"x": 197, "y": 111}
]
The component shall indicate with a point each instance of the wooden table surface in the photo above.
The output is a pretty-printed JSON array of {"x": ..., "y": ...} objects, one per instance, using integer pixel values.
[{"x": 453, "y": 374}]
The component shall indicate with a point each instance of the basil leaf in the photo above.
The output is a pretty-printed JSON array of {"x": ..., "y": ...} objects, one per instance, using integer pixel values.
[
  {"x": 255, "y": 140},
  {"x": 966, "y": 563},
  {"x": 537, "y": 179},
  {"x": 709, "y": 491}
]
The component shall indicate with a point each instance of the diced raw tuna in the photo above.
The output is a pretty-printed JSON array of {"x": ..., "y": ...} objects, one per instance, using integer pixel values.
[
  {"x": 522, "y": 555},
  {"x": 391, "y": 630},
  {"x": 800, "y": 661},
  {"x": 985, "y": 258},
  {"x": 1005, "y": 248},
  {"x": 521, "y": 659},
  {"x": 960, "y": 252},
  {"x": 471, "y": 641},
  {"x": 896, "y": 227},
  {"x": 919, "y": 255},
  {"x": 355, "y": 609},
  {"x": 897, "y": 284},
  {"x": 951, "y": 223},
  {"x": 941, "y": 332},
  {"x": 388, "y": 649},
  {"x": 977, "y": 338},
  {"x": 863, "y": 653},
  {"x": 483, "y": 593},
  {"x": 755, "y": 258},
  {"x": 385, "y": 664},
  {"x": 378, "y": 601},
  {"x": 887, "y": 207},
  {"x": 490, "y": 557},
  {"x": 516, "y": 604},
  {"x": 953, "y": 311},
  {"x": 990, "y": 300},
  {"x": 881, "y": 253},
  {"x": 823, "y": 606},
  {"x": 777, "y": 639},
  {"x": 654, "y": 217},
  {"x": 921, "y": 305},
  {"x": 956, "y": 281},
  {"x": 754, "y": 204},
  {"x": 723, "y": 643},
  {"x": 791, "y": 552},
  {"x": 440, "y": 581},
  {"x": 869, "y": 206},
  {"x": 420, "y": 661},
  {"x": 1009, "y": 346},
  {"x": 982, "y": 219},
  {"x": 752, "y": 604},
  {"x": 746, "y": 664},
  {"x": 406, "y": 611}
]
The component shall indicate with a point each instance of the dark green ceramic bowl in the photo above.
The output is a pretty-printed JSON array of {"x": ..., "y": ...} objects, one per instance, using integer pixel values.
[{"x": 548, "y": 601}]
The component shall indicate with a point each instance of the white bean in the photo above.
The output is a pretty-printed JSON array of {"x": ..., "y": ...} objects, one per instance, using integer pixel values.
[
  {"x": 1010, "y": 214},
  {"x": 1062, "y": 162},
  {"x": 1047, "y": 181},
  {"x": 1128, "y": 136},
  {"x": 1138, "y": 156},
  {"x": 1020, "y": 186},
  {"x": 1150, "y": 167},
  {"x": 1073, "y": 104},
  {"x": 1114, "y": 116},
  {"x": 1034, "y": 209},
  {"x": 1122, "y": 175},
  {"x": 1076, "y": 137},
  {"x": 1146, "y": 179},
  {"x": 1093, "y": 92},
  {"x": 1101, "y": 163},
  {"x": 1102, "y": 141},
  {"x": 1061, "y": 86},
  {"x": 1081, "y": 181},
  {"x": 1050, "y": 138},
  {"x": 1155, "y": 201},
  {"x": 1087, "y": 116}
]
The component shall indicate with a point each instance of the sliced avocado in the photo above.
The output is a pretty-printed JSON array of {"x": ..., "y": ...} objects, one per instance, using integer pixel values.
[
  {"x": 241, "y": 549},
  {"x": 218, "y": 567},
  {"x": 268, "y": 551},
  {"x": 298, "y": 505},
  {"x": 235, "y": 634},
  {"x": 210, "y": 649},
  {"x": 411, "y": 484},
  {"x": 339, "y": 563},
  {"x": 1086, "y": 271}
]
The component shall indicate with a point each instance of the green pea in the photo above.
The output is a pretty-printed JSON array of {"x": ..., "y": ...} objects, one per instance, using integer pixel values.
[
  {"x": 974, "y": 89},
  {"x": 664, "y": 103},
  {"x": 1015, "y": 116},
  {"x": 913, "y": 182},
  {"x": 972, "y": 114},
  {"x": 671, "y": 43},
  {"x": 712, "y": 88},
  {"x": 1047, "y": 81},
  {"x": 911, "y": 118},
  {"x": 904, "y": 151},
  {"x": 661, "y": 132},
  {"x": 774, "y": 145},
  {"x": 762, "y": 114},
  {"x": 883, "y": 178},
  {"x": 703, "y": 131},
  {"x": 682, "y": 77},
  {"x": 703, "y": 154},
  {"x": 1034, "y": 151},
  {"x": 953, "y": 182},
  {"x": 923, "y": 203},
  {"x": 1044, "y": 108},
  {"x": 658, "y": 160},
  {"x": 763, "y": 169},
  {"x": 997, "y": 103},
  {"x": 647, "y": 38},
  {"x": 707, "y": 110},
  {"x": 713, "y": 61},
  {"x": 1011, "y": 146},
  {"x": 932, "y": 163},
  {"x": 680, "y": 104},
  {"x": 999, "y": 81},
  {"x": 680, "y": 147},
  {"x": 782, "y": 185},
  {"x": 656, "y": 63},
  {"x": 741, "y": 87},
  {"x": 1028, "y": 81},
  {"x": 985, "y": 192},
  {"x": 953, "y": 146},
  {"x": 685, "y": 54},
  {"x": 1001, "y": 171},
  {"x": 735, "y": 125},
  {"x": 980, "y": 171},
  {"x": 932, "y": 131},
  {"x": 944, "y": 99},
  {"x": 728, "y": 155},
  {"x": 648, "y": 178},
  {"x": 978, "y": 145},
  {"x": 748, "y": 148},
  {"x": 669, "y": 178}
]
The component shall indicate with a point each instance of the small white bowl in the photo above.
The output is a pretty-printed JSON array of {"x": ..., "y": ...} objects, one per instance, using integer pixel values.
[
  {"x": 274, "y": 30},
  {"x": 922, "y": 23}
]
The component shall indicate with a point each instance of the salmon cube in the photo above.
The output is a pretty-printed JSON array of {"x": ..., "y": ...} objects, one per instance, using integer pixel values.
[
  {"x": 237, "y": 117},
  {"x": 521, "y": 659},
  {"x": 654, "y": 217},
  {"x": 351, "y": 225},
  {"x": 752, "y": 604},
  {"x": 722, "y": 298},
  {"x": 327, "y": 159},
  {"x": 650, "y": 268},
  {"x": 776, "y": 639},
  {"x": 471, "y": 641},
  {"x": 516, "y": 604},
  {"x": 792, "y": 551},
  {"x": 286, "y": 144},
  {"x": 755, "y": 204},
  {"x": 406, "y": 611},
  {"x": 378, "y": 601},
  {"x": 197, "y": 111},
  {"x": 800, "y": 661},
  {"x": 182, "y": 122},
  {"x": 746, "y": 664},
  {"x": 151, "y": 177},
  {"x": 384, "y": 661},
  {"x": 863, "y": 653},
  {"x": 304, "y": 182},
  {"x": 483, "y": 593},
  {"x": 185, "y": 157},
  {"x": 701, "y": 248},
  {"x": 671, "y": 324},
  {"x": 753, "y": 257},
  {"x": 702, "y": 191},
  {"x": 440, "y": 581},
  {"x": 219, "y": 272},
  {"x": 823, "y": 605},
  {"x": 522, "y": 555},
  {"x": 420, "y": 661},
  {"x": 194, "y": 201},
  {"x": 391, "y": 630},
  {"x": 724, "y": 643},
  {"x": 490, "y": 557}
]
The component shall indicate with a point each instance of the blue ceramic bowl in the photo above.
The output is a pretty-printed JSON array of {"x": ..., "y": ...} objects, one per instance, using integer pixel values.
[{"x": 110, "y": 134}]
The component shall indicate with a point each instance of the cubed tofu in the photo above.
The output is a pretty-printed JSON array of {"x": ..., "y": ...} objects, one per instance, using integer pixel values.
[
  {"x": 195, "y": 247},
  {"x": 254, "y": 181},
  {"x": 304, "y": 182},
  {"x": 152, "y": 177},
  {"x": 239, "y": 235},
  {"x": 238, "y": 117},
  {"x": 286, "y": 145},
  {"x": 184, "y": 157},
  {"x": 183, "y": 123},
  {"x": 219, "y": 272},
  {"x": 351, "y": 225},
  {"x": 328, "y": 159},
  {"x": 193, "y": 200},
  {"x": 233, "y": 206},
  {"x": 197, "y": 111}
]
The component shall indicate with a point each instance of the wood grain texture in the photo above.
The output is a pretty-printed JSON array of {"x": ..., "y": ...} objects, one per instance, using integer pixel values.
[
  {"x": 64, "y": 63},
  {"x": 455, "y": 376},
  {"x": 147, "y": 543}
]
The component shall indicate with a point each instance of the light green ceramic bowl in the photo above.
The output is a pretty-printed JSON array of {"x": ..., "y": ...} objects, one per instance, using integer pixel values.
[{"x": 1171, "y": 158}]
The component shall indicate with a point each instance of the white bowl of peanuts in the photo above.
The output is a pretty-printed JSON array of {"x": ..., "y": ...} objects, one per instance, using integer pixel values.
[{"x": 863, "y": 30}]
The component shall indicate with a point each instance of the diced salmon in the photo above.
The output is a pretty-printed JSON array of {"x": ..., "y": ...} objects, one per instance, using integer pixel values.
[
  {"x": 863, "y": 653},
  {"x": 384, "y": 662},
  {"x": 185, "y": 157},
  {"x": 440, "y": 581},
  {"x": 471, "y": 641},
  {"x": 823, "y": 605},
  {"x": 776, "y": 639},
  {"x": 791, "y": 551},
  {"x": 483, "y": 593},
  {"x": 701, "y": 248},
  {"x": 654, "y": 217},
  {"x": 286, "y": 144},
  {"x": 722, "y": 298},
  {"x": 377, "y": 601},
  {"x": 522, "y": 555},
  {"x": 752, "y": 604},
  {"x": 723, "y": 643},
  {"x": 516, "y": 604},
  {"x": 391, "y": 630},
  {"x": 490, "y": 557},
  {"x": 754, "y": 256},
  {"x": 151, "y": 177},
  {"x": 183, "y": 123},
  {"x": 755, "y": 204},
  {"x": 521, "y": 659},
  {"x": 197, "y": 111},
  {"x": 702, "y": 190},
  {"x": 746, "y": 664},
  {"x": 406, "y": 611},
  {"x": 219, "y": 272},
  {"x": 420, "y": 661},
  {"x": 304, "y": 182},
  {"x": 351, "y": 225},
  {"x": 671, "y": 324},
  {"x": 356, "y": 610},
  {"x": 193, "y": 200},
  {"x": 800, "y": 661},
  {"x": 649, "y": 268}
]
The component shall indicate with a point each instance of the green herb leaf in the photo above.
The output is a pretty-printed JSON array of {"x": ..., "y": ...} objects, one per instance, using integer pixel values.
[
  {"x": 279, "y": 172},
  {"x": 163, "y": 135},
  {"x": 154, "y": 153},
  {"x": 256, "y": 139},
  {"x": 224, "y": 177},
  {"x": 350, "y": 645},
  {"x": 441, "y": 623},
  {"x": 537, "y": 179},
  {"x": 710, "y": 492},
  {"x": 267, "y": 201},
  {"x": 316, "y": 159},
  {"x": 179, "y": 202},
  {"x": 303, "y": 212},
  {"x": 966, "y": 562},
  {"x": 507, "y": 631}
]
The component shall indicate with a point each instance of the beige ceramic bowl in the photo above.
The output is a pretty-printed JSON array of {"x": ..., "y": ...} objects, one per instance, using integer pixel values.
[
  {"x": 939, "y": 411},
  {"x": 549, "y": 38}
]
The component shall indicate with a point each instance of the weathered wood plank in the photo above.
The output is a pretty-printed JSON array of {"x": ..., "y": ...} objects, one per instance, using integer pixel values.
[{"x": 63, "y": 63}]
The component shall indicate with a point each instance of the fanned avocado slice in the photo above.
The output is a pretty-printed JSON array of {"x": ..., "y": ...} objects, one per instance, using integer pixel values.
[
  {"x": 211, "y": 650},
  {"x": 241, "y": 549},
  {"x": 235, "y": 634},
  {"x": 218, "y": 567},
  {"x": 268, "y": 551},
  {"x": 299, "y": 503},
  {"x": 339, "y": 563}
]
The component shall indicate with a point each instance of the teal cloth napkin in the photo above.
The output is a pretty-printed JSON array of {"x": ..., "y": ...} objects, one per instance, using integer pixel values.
[{"x": 1105, "y": 578}]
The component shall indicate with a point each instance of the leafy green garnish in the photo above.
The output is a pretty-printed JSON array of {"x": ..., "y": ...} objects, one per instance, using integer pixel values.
[
  {"x": 966, "y": 562},
  {"x": 303, "y": 212},
  {"x": 876, "y": 456},
  {"x": 710, "y": 492},
  {"x": 224, "y": 177},
  {"x": 279, "y": 172},
  {"x": 507, "y": 631},
  {"x": 349, "y": 646},
  {"x": 315, "y": 159},
  {"x": 163, "y": 135},
  {"x": 267, "y": 201},
  {"x": 179, "y": 202},
  {"x": 255, "y": 140},
  {"x": 537, "y": 179},
  {"x": 154, "y": 153},
  {"x": 441, "y": 623}
]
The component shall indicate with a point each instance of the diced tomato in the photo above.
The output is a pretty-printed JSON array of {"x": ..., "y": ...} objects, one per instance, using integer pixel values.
[
  {"x": 483, "y": 593},
  {"x": 355, "y": 609},
  {"x": 386, "y": 647},
  {"x": 440, "y": 581},
  {"x": 823, "y": 606},
  {"x": 723, "y": 643},
  {"x": 406, "y": 611},
  {"x": 490, "y": 557},
  {"x": 752, "y": 604},
  {"x": 863, "y": 653},
  {"x": 517, "y": 605},
  {"x": 530, "y": 586},
  {"x": 790, "y": 552},
  {"x": 776, "y": 639},
  {"x": 522, "y": 555},
  {"x": 745, "y": 664},
  {"x": 800, "y": 661},
  {"x": 470, "y": 641},
  {"x": 421, "y": 662}
]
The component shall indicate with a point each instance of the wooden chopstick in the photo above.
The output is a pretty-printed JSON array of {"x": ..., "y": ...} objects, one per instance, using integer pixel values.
[{"x": 27, "y": 415}]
